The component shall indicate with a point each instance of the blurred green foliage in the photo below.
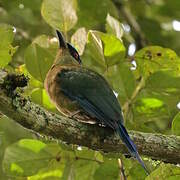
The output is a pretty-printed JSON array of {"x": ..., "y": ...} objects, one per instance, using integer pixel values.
[{"x": 97, "y": 29}]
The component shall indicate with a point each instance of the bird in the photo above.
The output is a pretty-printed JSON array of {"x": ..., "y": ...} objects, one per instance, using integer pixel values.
[{"x": 78, "y": 90}]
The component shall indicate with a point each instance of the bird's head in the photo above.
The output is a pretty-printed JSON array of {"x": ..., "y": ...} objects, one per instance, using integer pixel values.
[{"x": 65, "y": 46}]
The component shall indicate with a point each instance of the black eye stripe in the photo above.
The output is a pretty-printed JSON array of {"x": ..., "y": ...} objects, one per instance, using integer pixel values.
[
  {"x": 76, "y": 55},
  {"x": 73, "y": 51}
]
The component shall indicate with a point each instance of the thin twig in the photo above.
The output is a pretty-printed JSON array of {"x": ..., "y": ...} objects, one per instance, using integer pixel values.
[
  {"x": 122, "y": 173},
  {"x": 127, "y": 104}
]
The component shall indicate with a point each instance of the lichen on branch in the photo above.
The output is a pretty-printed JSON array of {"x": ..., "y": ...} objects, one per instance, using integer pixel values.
[{"x": 37, "y": 119}]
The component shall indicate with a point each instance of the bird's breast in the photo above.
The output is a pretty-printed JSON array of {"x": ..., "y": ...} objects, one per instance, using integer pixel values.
[
  {"x": 53, "y": 88},
  {"x": 63, "y": 103}
]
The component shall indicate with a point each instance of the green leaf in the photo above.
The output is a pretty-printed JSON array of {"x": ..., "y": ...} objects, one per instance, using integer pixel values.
[
  {"x": 95, "y": 47},
  {"x": 137, "y": 173},
  {"x": 109, "y": 170},
  {"x": 49, "y": 43},
  {"x": 39, "y": 96},
  {"x": 82, "y": 165},
  {"x": 86, "y": 153},
  {"x": 104, "y": 49},
  {"x": 113, "y": 26},
  {"x": 165, "y": 172},
  {"x": 176, "y": 125},
  {"x": 48, "y": 174},
  {"x": 162, "y": 86},
  {"x": 78, "y": 39},
  {"x": 60, "y": 14},
  {"x": 150, "y": 113},
  {"x": 53, "y": 171},
  {"x": 6, "y": 49},
  {"x": 133, "y": 169},
  {"x": 27, "y": 157},
  {"x": 122, "y": 80},
  {"x": 149, "y": 106},
  {"x": 84, "y": 169},
  {"x": 170, "y": 81},
  {"x": 151, "y": 59},
  {"x": 10, "y": 132},
  {"x": 42, "y": 51},
  {"x": 114, "y": 50},
  {"x": 39, "y": 56},
  {"x": 38, "y": 61},
  {"x": 92, "y": 14}
]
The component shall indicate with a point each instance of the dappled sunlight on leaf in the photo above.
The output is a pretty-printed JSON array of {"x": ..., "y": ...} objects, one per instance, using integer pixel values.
[
  {"x": 39, "y": 56},
  {"x": 6, "y": 49},
  {"x": 113, "y": 26},
  {"x": 60, "y": 14},
  {"x": 78, "y": 39},
  {"x": 176, "y": 125},
  {"x": 39, "y": 96},
  {"x": 133, "y": 44},
  {"x": 105, "y": 49},
  {"x": 35, "y": 146},
  {"x": 148, "y": 104},
  {"x": 28, "y": 155},
  {"x": 151, "y": 59},
  {"x": 16, "y": 168},
  {"x": 165, "y": 171}
]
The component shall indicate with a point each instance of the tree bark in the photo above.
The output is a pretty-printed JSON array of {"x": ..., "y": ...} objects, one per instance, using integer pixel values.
[{"x": 35, "y": 118}]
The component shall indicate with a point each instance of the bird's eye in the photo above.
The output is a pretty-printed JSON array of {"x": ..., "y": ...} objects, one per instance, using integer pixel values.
[
  {"x": 74, "y": 53},
  {"x": 76, "y": 56}
]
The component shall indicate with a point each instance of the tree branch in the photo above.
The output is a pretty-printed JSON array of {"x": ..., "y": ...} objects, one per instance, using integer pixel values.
[
  {"x": 129, "y": 102},
  {"x": 35, "y": 118},
  {"x": 128, "y": 16}
]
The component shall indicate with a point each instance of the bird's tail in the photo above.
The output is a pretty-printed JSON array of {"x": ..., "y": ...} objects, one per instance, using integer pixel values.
[{"x": 130, "y": 145}]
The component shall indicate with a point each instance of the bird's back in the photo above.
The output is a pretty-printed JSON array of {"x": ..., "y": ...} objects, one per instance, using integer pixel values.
[{"x": 88, "y": 87}]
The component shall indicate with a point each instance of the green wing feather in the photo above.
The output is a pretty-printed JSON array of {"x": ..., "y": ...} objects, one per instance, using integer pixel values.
[
  {"x": 94, "y": 95},
  {"x": 91, "y": 90}
]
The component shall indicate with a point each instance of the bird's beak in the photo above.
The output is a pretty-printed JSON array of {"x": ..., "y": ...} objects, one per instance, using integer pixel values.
[{"x": 62, "y": 42}]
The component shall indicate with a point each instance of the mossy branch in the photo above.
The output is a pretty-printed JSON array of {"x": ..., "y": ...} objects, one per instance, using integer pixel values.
[{"x": 37, "y": 119}]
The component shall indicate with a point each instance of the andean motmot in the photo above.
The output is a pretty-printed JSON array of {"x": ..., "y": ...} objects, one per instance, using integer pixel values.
[{"x": 76, "y": 90}]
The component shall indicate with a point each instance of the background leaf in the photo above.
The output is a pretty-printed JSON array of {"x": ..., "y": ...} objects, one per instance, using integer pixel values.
[
  {"x": 17, "y": 163},
  {"x": 104, "y": 49},
  {"x": 39, "y": 56},
  {"x": 154, "y": 108},
  {"x": 39, "y": 96},
  {"x": 151, "y": 59},
  {"x": 78, "y": 39},
  {"x": 113, "y": 26},
  {"x": 89, "y": 17},
  {"x": 6, "y": 49},
  {"x": 60, "y": 14},
  {"x": 109, "y": 170},
  {"x": 176, "y": 125},
  {"x": 164, "y": 171},
  {"x": 122, "y": 80}
]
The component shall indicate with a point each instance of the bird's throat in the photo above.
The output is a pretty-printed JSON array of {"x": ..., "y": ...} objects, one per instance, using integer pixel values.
[{"x": 63, "y": 58}]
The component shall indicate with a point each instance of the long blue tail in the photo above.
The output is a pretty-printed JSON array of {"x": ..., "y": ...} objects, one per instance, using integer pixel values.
[{"x": 130, "y": 145}]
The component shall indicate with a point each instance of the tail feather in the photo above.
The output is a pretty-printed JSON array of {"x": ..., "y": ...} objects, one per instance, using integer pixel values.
[{"x": 130, "y": 145}]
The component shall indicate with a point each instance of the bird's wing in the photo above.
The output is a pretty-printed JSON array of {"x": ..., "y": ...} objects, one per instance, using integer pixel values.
[{"x": 92, "y": 93}]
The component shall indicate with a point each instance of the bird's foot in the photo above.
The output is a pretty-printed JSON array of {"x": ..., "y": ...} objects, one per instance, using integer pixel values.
[
  {"x": 71, "y": 116},
  {"x": 82, "y": 117}
]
